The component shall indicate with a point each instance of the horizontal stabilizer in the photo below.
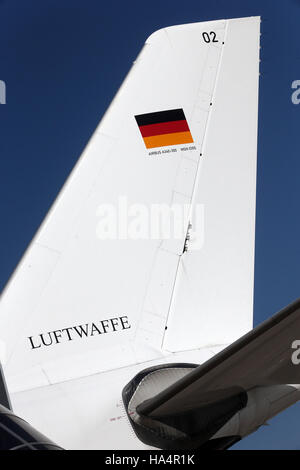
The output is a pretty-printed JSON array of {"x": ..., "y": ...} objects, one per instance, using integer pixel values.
[{"x": 262, "y": 357}]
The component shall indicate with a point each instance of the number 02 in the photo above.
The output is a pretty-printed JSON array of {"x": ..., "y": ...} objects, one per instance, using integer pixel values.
[{"x": 210, "y": 37}]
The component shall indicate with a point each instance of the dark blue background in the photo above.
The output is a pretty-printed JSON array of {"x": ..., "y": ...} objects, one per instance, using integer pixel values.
[{"x": 63, "y": 61}]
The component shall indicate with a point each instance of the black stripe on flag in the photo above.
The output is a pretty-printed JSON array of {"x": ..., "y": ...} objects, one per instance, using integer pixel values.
[{"x": 161, "y": 116}]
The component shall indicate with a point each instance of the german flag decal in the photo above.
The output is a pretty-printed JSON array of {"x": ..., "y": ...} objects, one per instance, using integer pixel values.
[{"x": 164, "y": 128}]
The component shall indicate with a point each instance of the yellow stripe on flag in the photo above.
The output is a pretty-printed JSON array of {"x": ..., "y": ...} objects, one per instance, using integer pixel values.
[{"x": 175, "y": 138}]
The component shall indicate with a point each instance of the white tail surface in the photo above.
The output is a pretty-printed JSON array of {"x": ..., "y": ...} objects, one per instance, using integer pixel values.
[{"x": 182, "y": 128}]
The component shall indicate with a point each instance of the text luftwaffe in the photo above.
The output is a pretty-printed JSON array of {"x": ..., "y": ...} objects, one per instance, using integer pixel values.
[{"x": 51, "y": 338}]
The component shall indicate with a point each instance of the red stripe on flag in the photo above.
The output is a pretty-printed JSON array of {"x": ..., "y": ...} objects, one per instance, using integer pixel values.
[{"x": 164, "y": 128}]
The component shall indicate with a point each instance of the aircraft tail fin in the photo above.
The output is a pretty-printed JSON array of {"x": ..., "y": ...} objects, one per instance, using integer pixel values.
[{"x": 101, "y": 286}]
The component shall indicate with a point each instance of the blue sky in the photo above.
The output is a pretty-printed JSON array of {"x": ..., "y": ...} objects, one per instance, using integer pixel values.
[{"x": 63, "y": 61}]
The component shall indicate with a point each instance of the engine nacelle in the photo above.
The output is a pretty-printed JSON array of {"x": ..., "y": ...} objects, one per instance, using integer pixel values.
[{"x": 212, "y": 420}]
